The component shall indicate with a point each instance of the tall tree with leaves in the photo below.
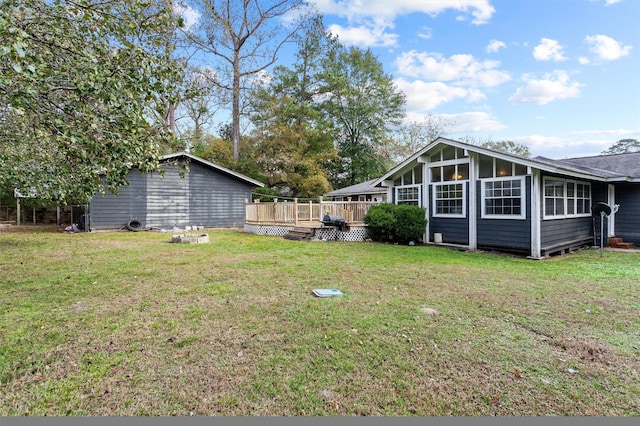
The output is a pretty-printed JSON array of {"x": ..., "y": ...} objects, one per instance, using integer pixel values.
[
  {"x": 246, "y": 38},
  {"x": 364, "y": 105},
  {"x": 78, "y": 80},
  {"x": 623, "y": 146},
  {"x": 292, "y": 141}
]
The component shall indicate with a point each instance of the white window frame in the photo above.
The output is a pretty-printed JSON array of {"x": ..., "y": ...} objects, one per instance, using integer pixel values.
[
  {"x": 574, "y": 199},
  {"x": 435, "y": 213},
  {"x": 523, "y": 198},
  {"x": 398, "y": 188}
]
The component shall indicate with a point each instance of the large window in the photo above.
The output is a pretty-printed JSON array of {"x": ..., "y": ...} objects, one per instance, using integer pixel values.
[
  {"x": 503, "y": 198},
  {"x": 449, "y": 169},
  {"x": 408, "y": 195},
  {"x": 449, "y": 199},
  {"x": 566, "y": 198}
]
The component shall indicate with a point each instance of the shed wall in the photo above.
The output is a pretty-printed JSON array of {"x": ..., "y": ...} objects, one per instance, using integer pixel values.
[
  {"x": 111, "y": 211},
  {"x": 216, "y": 200},
  {"x": 202, "y": 197}
]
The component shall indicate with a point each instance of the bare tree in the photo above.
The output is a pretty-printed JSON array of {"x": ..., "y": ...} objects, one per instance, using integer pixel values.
[
  {"x": 245, "y": 37},
  {"x": 205, "y": 101},
  {"x": 412, "y": 136}
]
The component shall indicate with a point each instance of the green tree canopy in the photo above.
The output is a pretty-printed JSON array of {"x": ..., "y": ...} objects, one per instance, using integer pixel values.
[
  {"x": 78, "y": 81},
  {"x": 364, "y": 106},
  {"x": 292, "y": 137}
]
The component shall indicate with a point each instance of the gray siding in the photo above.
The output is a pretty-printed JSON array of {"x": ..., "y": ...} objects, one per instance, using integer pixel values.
[
  {"x": 216, "y": 200},
  {"x": 203, "y": 197},
  {"x": 565, "y": 233},
  {"x": 167, "y": 199},
  {"x": 111, "y": 211},
  {"x": 453, "y": 230},
  {"x": 627, "y": 218},
  {"x": 511, "y": 234},
  {"x": 558, "y": 234}
]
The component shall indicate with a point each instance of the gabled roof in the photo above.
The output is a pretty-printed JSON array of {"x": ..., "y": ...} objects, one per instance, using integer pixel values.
[
  {"x": 595, "y": 168},
  {"x": 359, "y": 188},
  {"x": 627, "y": 164},
  {"x": 205, "y": 163}
]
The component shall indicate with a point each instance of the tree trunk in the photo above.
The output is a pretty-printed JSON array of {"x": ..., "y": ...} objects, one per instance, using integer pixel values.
[{"x": 235, "y": 113}]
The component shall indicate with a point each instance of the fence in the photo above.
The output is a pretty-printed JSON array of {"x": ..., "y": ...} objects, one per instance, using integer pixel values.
[
  {"x": 41, "y": 215},
  {"x": 302, "y": 213}
]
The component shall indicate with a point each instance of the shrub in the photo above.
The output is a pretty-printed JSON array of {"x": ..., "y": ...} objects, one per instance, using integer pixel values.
[
  {"x": 398, "y": 223},
  {"x": 381, "y": 222},
  {"x": 410, "y": 222}
]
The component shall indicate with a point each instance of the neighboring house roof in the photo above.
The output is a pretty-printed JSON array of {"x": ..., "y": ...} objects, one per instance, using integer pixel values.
[
  {"x": 357, "y": 189},
  {"x": 202, "y": 161},
  {"x": 623, "y": 168}
]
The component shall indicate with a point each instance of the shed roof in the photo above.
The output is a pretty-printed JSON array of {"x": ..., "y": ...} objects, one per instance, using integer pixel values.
[
  {"x": 359, "y": 188},
  {"x": 210, "y": 165}
]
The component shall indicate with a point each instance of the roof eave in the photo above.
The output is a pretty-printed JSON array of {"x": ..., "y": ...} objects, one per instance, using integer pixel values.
[{"x": 213, "y": 166}]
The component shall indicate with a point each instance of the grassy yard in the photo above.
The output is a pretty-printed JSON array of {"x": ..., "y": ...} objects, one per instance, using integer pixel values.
[{"x": 129, "y": 324}]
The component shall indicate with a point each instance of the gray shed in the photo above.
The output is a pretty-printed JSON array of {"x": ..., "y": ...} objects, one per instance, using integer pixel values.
[{"x": 203, "y": 194}]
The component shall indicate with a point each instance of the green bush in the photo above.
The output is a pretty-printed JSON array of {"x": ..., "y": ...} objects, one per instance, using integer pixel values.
[{"x": 397, "y": 223}]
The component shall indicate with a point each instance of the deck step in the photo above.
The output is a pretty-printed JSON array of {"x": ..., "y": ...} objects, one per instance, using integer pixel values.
[
  {"x": 624, "y": 245},
  {"x": 614, "y": 241},
  {"x": 299, "y": 234}
]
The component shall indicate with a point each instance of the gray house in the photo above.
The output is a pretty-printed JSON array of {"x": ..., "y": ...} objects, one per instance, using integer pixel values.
[
  {"x": 192, "y": 192},
  {"x": 481, "y": 198}
]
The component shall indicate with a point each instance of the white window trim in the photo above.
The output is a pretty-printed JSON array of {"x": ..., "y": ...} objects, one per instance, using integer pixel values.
[
  {"x": 564, "y": 191},
  {"x": 523, "y": 198},
  {"x": 409, "y": 186},
  {"x": 464, "y": 199}
]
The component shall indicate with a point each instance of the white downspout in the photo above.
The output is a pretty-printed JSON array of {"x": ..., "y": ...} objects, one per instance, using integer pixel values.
[{"x": 611, "y": 220}]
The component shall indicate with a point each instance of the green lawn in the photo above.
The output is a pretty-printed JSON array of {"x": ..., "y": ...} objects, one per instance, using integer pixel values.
[{"x": 129, "y": 324}]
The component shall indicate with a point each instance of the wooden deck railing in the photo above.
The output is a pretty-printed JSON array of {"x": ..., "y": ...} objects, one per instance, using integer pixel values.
[{"x": 294, "y": 212}]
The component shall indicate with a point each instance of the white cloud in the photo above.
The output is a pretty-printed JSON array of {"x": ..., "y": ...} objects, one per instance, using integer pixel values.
[
  {"x": 480, "y": 10},
  {"x": 610, "y": 2},
  {"x": 425, "y": 33},
  {"x": 552, "y": 87},
  {"x": 188, "y": 14},
  {"x": 471, "y": 122},
  {"x": 425, "y": 96},
  {"x": 495, "y": 45},
  {"x": 462, "y": 70},
  {"x": 574, "y": 144},
  {"x": 365, "y": 36},
  {"x": 548, "y": 50},
  {"x": 607, "y": 48},
  {"x": 608, "y": 133},
  {"x": 583, "y": 60}
]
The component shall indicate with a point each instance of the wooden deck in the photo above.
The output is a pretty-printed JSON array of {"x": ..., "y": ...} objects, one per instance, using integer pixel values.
[{"x": 305, "y": 214}]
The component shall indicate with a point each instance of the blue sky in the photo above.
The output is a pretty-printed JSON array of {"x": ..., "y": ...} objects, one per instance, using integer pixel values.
[{"x": 561, "y": 76}]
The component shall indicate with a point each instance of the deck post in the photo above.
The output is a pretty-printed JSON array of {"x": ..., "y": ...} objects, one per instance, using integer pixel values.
[
  {"x": 310, "y": 211},
  {"x": 295, "y": 210},
  {"x": 18, "y": 211}
]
